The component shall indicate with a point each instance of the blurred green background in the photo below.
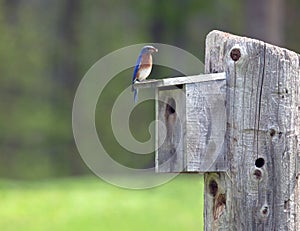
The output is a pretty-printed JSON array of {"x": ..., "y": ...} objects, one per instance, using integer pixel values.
[{"x": 46, "y": 47}]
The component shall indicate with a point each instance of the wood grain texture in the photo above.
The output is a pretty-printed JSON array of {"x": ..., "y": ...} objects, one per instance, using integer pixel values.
[{"x": 260, "y": 191}]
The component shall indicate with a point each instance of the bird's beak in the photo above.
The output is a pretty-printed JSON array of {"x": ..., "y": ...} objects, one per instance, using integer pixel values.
[{"x": 152, "y": 49}]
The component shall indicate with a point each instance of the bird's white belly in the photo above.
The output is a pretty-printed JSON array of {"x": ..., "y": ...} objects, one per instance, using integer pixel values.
[{"x": 144, "y": 73}]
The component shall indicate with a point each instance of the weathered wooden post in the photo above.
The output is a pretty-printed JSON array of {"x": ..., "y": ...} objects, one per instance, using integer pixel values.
[
  {"x": 260, "y": 190},
  {"x": 239, "y": 124}
]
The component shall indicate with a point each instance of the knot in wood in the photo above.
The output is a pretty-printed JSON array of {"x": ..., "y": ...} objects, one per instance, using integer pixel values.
[
  {"x": 264, "y": 211},
  {"x": 258, "y": 174},
  {"x": 235, "y": 54}
]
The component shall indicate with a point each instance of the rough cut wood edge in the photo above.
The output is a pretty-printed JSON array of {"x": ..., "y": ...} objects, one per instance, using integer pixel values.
[
  {"x": 153, "y": 83},
  {"x": 263, "y": 96}
]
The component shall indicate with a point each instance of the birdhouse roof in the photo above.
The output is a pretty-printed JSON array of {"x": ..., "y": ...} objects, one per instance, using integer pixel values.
[{"x": 154, "y": 83}]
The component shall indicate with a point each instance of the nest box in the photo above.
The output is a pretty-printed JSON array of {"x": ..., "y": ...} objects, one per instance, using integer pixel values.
[{"x": 190, "y": 123}]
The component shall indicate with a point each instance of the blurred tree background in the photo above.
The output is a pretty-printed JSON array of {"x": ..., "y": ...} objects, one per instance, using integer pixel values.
[{"x": 46, "y": 47}]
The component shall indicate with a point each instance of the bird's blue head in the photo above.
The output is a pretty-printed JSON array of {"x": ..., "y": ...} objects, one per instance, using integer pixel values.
[{"x": 149, "y": 49}]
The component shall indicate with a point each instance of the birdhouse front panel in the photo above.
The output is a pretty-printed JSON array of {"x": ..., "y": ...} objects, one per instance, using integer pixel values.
[{"x": 170, "y": 129}]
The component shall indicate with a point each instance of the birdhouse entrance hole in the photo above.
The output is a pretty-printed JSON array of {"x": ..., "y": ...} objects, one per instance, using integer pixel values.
[{"x": 170, "y": 107}]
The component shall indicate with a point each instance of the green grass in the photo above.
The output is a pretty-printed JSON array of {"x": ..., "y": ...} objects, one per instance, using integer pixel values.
[{"x": 88, "y": 204}]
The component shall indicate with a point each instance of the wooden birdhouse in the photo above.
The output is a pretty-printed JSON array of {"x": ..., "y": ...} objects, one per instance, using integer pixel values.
[{"x": 190, "y": 123}]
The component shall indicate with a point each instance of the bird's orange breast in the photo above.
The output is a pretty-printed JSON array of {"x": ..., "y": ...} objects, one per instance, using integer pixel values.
[{"x": 145, "y": 67}]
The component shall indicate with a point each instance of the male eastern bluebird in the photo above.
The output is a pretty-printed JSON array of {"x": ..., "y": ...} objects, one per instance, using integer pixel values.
[{"x": 143, "y": 67}]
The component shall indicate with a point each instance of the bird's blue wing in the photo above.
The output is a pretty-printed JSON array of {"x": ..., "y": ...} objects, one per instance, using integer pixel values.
[{"x": 136, "y": 68}]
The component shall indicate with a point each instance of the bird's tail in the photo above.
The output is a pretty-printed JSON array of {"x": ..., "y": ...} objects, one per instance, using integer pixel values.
[{"x": 135, "y": 95}]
